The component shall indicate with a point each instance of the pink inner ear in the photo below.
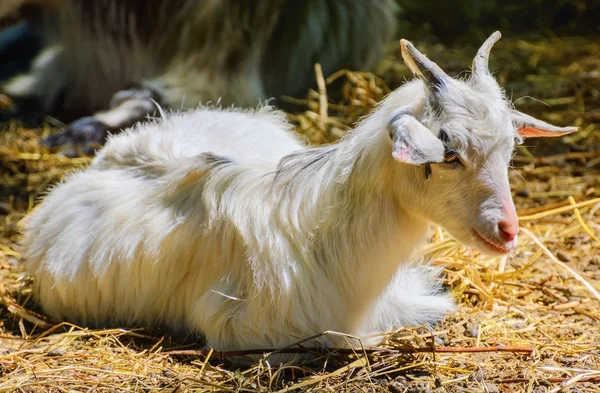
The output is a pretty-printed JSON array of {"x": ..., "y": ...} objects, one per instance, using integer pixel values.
[
  {"x": 532, "y": 132},
  {"x": 402, "y": 155}
]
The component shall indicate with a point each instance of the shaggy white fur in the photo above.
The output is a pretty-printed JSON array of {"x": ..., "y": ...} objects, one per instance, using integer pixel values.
[{"x": 221, "y": 222}]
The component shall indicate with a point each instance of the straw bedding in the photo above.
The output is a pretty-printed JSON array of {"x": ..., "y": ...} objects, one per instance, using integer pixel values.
[{"x": 529, "y": 322}]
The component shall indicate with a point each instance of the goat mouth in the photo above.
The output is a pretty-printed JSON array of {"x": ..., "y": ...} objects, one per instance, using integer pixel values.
[{"x": 492, "y": 246}]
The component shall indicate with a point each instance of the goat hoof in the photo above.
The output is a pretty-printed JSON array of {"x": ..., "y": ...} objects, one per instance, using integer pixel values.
[{"x": 82, "y": 133}]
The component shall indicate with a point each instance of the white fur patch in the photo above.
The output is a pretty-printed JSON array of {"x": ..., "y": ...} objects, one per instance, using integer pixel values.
[{"x": 234, "y": 244}]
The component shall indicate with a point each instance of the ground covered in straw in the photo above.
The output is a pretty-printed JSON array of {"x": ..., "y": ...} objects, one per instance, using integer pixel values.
[{"x": 526, "y": 323}]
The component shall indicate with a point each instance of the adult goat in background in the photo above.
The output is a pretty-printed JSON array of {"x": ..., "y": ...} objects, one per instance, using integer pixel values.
[
  {"x": 114, "y": 57},
  {"x": 220, "y": 222}
]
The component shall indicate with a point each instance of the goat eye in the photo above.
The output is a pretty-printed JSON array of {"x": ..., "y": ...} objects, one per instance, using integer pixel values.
[{"x": 451, "y": 157}]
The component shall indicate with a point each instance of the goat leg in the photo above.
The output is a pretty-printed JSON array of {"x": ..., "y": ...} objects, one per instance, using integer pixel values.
[
  {"x": 34, "y": 93},
  {"x": 127, "y": 107}
]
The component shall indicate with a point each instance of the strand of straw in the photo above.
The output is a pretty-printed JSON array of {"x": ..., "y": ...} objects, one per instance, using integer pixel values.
[
  {"x": 581, "y": 221},
  {"x": 577, "y": 276}
]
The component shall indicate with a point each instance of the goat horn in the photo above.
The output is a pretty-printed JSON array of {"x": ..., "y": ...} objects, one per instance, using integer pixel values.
[
  {"x": 420, "y": 65},
  {"x": 480, "y": 62}
]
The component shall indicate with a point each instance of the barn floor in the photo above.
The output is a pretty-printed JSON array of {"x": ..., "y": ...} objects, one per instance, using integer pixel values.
[{"x": 527, "y": 323}]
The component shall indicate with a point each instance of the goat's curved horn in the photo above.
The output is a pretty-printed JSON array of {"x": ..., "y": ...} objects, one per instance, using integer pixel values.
[
  {"x": 480, "y": 62},
  {"x": 420, "y": 65}
]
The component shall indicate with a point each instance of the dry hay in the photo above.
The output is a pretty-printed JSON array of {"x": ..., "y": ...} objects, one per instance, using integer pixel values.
[{"x": 525, "y": 323}]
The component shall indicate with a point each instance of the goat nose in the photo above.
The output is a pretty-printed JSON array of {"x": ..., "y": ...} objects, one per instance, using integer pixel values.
[{"x": 508, "y": 229}]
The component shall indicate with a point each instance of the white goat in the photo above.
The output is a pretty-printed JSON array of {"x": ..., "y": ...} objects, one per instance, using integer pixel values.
[
  {"x": 113, "y": 57},
  {"x": 222, "y": 223}
]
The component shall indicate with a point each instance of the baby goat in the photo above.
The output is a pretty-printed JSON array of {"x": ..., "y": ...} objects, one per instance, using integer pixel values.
[
  {"x": 221, "y": 222},
  {"x": 114, "y": 57}
]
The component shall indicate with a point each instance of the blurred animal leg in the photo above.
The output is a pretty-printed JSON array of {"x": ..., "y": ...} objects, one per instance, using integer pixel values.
[
  {"x": 127, "y": 107},
  {"x": 36, "y": 92}
]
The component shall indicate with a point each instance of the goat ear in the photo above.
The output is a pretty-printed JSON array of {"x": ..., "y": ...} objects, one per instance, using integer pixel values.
[
  {"x": 413, "y": 143},
  {"x": 530, "y": 127}
]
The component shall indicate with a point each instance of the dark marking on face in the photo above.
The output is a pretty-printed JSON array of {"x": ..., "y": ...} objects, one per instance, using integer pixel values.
[
  {"x": 434, "y": 106},
  {"x": 444, "y": 137},
  {"x": 437, "y": 86}
]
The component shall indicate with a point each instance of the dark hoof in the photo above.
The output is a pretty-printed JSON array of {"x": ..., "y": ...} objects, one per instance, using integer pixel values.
[{"x": 83, "y": 133}]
